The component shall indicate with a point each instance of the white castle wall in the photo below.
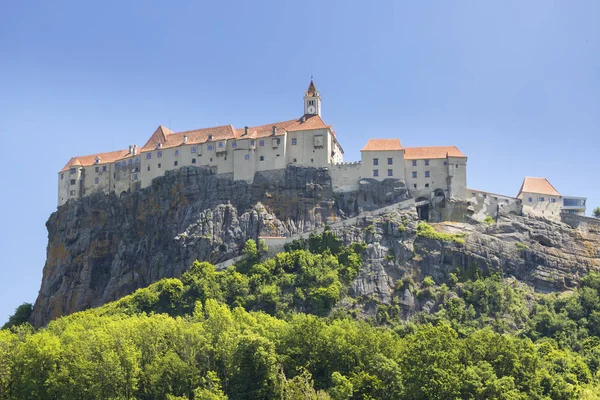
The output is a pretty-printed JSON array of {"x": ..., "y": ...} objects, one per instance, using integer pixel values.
[
  {"x": 345, "y": 176},
  {"x": 487, "y": 203}
]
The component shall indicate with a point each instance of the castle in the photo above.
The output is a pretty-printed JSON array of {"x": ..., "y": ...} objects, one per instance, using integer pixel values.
[
  {"x": 240, "y": 153},
  {"x": 430, "y": 174}
]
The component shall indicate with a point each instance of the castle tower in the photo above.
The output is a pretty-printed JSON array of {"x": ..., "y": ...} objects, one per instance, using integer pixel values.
[{"x": 312, "y": 100}]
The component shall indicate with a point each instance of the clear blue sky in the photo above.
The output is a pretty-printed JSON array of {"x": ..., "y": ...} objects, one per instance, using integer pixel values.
[{"x": 515, "y": 85}]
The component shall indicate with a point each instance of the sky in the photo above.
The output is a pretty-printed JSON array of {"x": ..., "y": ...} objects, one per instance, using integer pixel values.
[{"x": 515, "y": 85}]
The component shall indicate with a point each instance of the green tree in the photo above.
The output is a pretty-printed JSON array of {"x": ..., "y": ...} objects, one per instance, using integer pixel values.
[
  {"x": 596, "y": 212},
  {"x": 21, "y": 315}
]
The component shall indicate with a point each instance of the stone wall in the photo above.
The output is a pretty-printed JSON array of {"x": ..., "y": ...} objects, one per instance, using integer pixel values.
[
  {"x": 345, "y": 176},
  {"x": 584, "y": 224},
  {"x": 482, "y": 204}
]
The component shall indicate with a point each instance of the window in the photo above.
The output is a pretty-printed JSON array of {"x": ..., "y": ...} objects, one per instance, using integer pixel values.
[
  {"x": 96, "y": 181},
  {"x": 252, "y": 143},
  {"x": 553, "y": 200},
  {"x": 124, "y": 163},
  {"x": 445, "y": 162},
  {"x": 390, "y": 161},
  {"x": 530, "y": 199},
  {"x": 194, "y": 149},
  {"x": 427, "y": 185},
  {"x": 234, "y": 145},
  {"x": 414, "y": 175},
  {"x": 62, "y": 176},
  {"x": 72, "y": 170},
  {"x": 414, "y": 163},
  {"x": 193, "y": 161},
  {"x": 73, "y": 181},
  {"x": 97, "y": 169},
  {"x": 390, "y": 172},
  {"x": 295, "y": 160},
  {"x": 159, "y": 165},
  {"x": 426, "y": 174},
  {"x": 148, "y": 156},
  {"x": 117, "y": 165},
  {"x": 210, "y": 147},
  {"x": 104, "y": 168},
  {"x": 262, "y": 158},
  {"x": 294, "y": 141},
  {"x": 134, "y": 177},
  {"x": 159, "y": 154},
  {"x": 72, "y": 192},
  {"x": 426, "y": 162},
  {"x": 130, "y": 161},
  {"x": 137, "y": 160},
  {"x": 415, "y": 185},
  {"x": 148, "y": 168},
  {"x": 175, "y": 163},
  {"x": 376, "y": 161},
  {"x": 220, "y": 145},
  {"x": 375, "y": 172},
  {"x": 176, "y": 153},
  {"x": 261, "y": 143},
  {"x": 540, "y": 199}
]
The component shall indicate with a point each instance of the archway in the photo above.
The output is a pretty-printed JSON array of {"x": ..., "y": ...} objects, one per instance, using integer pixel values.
[{"x": 422, "y": 204}]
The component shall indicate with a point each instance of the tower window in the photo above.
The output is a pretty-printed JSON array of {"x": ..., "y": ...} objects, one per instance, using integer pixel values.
[
  {"x": 62, "y": 176},
  {"x": 72, "y": 192},
  {"x": 97, "y": 169},
  {"x": 376, "y": 161},
  {"x": 375, "y": 172},
  {"x": 72, "y": 170},
  {"x": 73, "y": 181},
  {"x": 104, "y": 166}
]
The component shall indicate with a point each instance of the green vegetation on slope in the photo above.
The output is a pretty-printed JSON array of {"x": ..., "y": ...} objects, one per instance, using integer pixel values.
[{"x": 209, "y": 335}]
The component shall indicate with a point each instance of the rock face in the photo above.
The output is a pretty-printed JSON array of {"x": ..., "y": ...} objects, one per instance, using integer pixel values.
[
  {"x": 548, "y": 255},
  {"x": 101, "y": 248}
]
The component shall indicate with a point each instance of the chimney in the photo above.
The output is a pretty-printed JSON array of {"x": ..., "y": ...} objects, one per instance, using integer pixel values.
[
  {"x": 130, "y": 149},
  {"x": 245, "y": 130},
  {"x": 184, "y": 139},
  {"x": 304, "y": 118},
  {"x": 135, "y": 149},
  {"x": 274, "y": 130},
  {"x": 210, "y": 137},
  {"x": 159, "y": 145}
]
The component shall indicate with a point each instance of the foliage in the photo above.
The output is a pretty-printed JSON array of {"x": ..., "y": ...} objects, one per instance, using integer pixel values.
[
  {"x": 249, "y": 334},
  {"x": 596, "y": 212},
  {"x": 489, "y": 220},
  {"x": 21, "y": 315},
  {"x": 520, "y": 246},
  {"x": 425, "y": 230}
]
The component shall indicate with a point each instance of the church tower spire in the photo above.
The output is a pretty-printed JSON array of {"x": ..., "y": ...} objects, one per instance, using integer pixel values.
[{"x": 312, "y": 100}]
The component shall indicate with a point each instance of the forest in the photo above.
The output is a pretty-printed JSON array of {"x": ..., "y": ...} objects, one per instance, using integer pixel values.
[{"x": 285, "y": 328}]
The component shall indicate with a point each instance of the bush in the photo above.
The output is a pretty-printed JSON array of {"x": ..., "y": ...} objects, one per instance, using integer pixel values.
[
  {"x": 425, "y": 230},
  {"x": 489, "y": 220}
]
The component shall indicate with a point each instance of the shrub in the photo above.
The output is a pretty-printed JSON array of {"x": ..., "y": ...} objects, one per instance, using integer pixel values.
[
  {"x": 489, "y": 220},
  {"x": 425, "y": 230}
]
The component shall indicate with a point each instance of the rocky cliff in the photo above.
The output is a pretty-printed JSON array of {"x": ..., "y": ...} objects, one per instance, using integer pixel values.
[
  {"x": 101, "y": 248},
  {"x": 550, "y": 256}
]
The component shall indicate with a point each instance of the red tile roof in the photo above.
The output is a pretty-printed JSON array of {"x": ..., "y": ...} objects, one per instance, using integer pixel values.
[
  {"x": 168, "y": 138},
  {"x": 418, "y": 153},
  {"x": 103, "y": 158},
  {"x": 538, "y": 186},
  {"x": 311, "y": 88},
  {"x": 382, "y": 145}
]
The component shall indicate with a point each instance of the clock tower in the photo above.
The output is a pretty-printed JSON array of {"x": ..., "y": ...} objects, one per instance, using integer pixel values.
[{"x": 312, "y": 100}]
